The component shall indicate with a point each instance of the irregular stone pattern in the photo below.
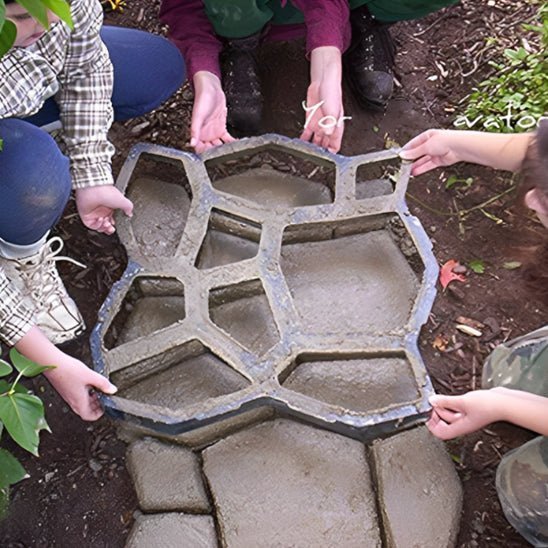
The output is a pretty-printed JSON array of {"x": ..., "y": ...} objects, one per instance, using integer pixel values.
[{"x": 300, "y": 284}]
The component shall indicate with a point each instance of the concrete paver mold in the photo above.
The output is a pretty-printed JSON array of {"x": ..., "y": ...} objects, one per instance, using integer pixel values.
[{"x": 257, "y": 272}]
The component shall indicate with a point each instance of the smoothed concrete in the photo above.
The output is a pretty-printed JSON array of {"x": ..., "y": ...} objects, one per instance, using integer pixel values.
[
  {"x": 420, "y": 492},
  {"x": 249, "y": 321},
  {"x": 363, "y": 282},
  {"x": 191, "y": 380},
  {"x": 282, "y": 483},
  {"x": 172, "y": 531},
  {"x": 363, "y": 385},
  {"x": 160, "y": 211},
  {"x": 151, "y": 314},
  {"x": 166, "y": 477},
  {"x": 274, "y": 189},
  {"x": 220, "y": 248}
]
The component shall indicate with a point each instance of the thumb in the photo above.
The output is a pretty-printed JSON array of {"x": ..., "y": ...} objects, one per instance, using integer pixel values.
[
  {"x": 448, "y": 402},
  {"x": 103, "y": 384},
  {"x": 127, "y": 206}
]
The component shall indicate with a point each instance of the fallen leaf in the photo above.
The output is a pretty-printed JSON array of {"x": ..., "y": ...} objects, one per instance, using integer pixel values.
[
  {"x": 440, "y": 343},
  {"x": 511, "y": 265},
  {"x": 467, "y": 330},
  {"x": 447, "y": 275}
]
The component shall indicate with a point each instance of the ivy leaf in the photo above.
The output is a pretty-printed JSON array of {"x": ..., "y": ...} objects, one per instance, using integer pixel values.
[
  {"x": 11, "y": 470},
  {"x": 5, "y": 368},
  {"x": 60, "y": 8},
  {"x": 23, "y": 418},
  {"x": 7, "y": 36},
  {"x": 27, "y": 367},
  {"x": 37, "y": 9}
]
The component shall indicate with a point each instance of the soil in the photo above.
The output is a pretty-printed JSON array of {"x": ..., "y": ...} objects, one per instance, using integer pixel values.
[{"x": 79, "y": 492}]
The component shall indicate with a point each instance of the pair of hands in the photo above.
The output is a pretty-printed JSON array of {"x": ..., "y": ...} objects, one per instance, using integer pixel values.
[
  {"x": 324, "y": 122},
  {"x": 73, "y": 380}
]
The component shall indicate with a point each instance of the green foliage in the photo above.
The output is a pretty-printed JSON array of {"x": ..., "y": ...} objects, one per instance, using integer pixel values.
[
  {"x": 477, "y": 266},
  {"x": 21, "y": 416},
  {"x": 453, "y": 180},
  {"x": 38, "y": 10},
  {"x": 516, "y": 96}
]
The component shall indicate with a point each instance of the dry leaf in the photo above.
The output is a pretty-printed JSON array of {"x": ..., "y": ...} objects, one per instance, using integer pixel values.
[
  {"x": 467, "y": 330},
  {"x": 447, "y": 275}
]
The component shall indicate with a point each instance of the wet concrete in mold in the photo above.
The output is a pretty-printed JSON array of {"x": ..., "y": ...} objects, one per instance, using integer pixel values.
[
  {"x": 268, "y": 186},
  {"x": 363, "y": 385},
  {"x": 362, "y": 280},
  {"x": 273, "y": 333},
  {"x": 190, "y": 381},
  {"x": 220, "y": 249},
  {"x": 160, "y": 211}
]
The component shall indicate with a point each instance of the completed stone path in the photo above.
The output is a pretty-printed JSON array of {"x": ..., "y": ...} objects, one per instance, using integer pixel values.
[{"x": 284, "y": 484}]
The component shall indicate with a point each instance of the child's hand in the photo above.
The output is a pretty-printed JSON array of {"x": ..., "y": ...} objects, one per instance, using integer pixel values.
[
  {"x": 430, "y": 150},
  {"x": 454, "y": 416},
  {"x": 76, "y": 384},
  {"x": 208, "y": 125},
  {"x": 96, "y": 206},
  {"x": 71, "y": 378},
  {"x": 324, "y": 119}
]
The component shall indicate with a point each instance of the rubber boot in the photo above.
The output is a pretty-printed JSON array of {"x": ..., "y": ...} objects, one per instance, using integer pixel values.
[
  {"x": 242, "y": 86},
  {"x": 369, "y": 61}
]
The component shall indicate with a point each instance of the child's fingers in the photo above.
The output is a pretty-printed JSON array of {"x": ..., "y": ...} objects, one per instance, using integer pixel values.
[
  {"x": 426, "y": 164},
  {"x": 447, "y": 415}
]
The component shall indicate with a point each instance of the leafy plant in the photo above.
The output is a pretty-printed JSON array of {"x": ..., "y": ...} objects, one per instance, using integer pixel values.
[
  {"x": 515, "y": 98},
  {"x": 38, "y": 10},
  {"x": 477, "y": 266},
  {"x": 21, "y": 416},
  {"x": 453, "y": 180}
]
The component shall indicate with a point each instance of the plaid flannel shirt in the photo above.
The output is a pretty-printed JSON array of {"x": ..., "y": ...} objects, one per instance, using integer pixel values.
[{"x": 74, "y": 67}]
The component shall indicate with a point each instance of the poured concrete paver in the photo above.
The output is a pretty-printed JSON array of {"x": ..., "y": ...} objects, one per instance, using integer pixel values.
[
  {"x": 363, "y": 385},
  {"x": 173, "y": 531},
  {"x": 282, "y": 483},
  {"x": 166, "y": 477},
  {"x": 362, "y": 280},
  {"x": 420, "y": 493}
]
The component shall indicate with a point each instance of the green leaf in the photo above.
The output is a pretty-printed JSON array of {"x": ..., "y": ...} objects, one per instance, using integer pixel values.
[
  {"x": 27, "y": 367},
  {"x": 7, "y": 37},
  {"x": 11, "y": 470},
  {"x": 5, "y": 368},
  {"x": 511, "y": 265},
  {"x": 477, "y": 266},
  {"x": 37, "y": 10},
  {"x": 60, "y": 8},
  {"x": 22, "y": 415}
]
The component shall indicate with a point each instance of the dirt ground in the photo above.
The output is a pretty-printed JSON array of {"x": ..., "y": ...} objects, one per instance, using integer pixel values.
[{"x": 79, "y": 492}]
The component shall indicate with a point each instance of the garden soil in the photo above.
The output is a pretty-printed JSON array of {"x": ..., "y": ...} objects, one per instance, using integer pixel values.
[{"x": 79, "y": 493}]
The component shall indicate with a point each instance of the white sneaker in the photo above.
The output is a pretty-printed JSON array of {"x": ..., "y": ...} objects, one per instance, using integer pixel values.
[{"x": 55, "y": 313}]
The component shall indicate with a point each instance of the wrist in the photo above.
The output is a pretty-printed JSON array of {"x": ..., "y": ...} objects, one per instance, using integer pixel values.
[
  {"x": 325, "y": 59},
  {"x": 204, "y": 79}
]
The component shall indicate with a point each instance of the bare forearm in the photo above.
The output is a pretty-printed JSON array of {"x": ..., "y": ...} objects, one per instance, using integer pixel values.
[
  {"x": 325, "y": 61},
  {"x": 523, "y": 409},
  {"x": 499, "y": 151}
]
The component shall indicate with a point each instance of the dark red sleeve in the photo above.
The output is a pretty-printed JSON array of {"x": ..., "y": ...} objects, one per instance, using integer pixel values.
[
  {"x": 191, "y": 31},
  {"x": 327, "y": 23}
]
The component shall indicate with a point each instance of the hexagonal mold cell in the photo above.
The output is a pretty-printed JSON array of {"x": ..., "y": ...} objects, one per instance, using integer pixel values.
[
  {"x": 243, "y": 311},
  {"x": 150, "y": 304},
  {"x": 274, "y": 177},
  {"x": 361, "y": 383},
  {"x": 185, "y": 375},
  {"x": 350, "y": 276},
  {"x": 377, "y": 178},
  {"x": 229, "y": 239},
  {"x": 161, "y": 205}
]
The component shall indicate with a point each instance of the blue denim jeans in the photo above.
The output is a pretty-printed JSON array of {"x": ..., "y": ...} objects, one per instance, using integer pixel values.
[{"x": 34, "y": 175}]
